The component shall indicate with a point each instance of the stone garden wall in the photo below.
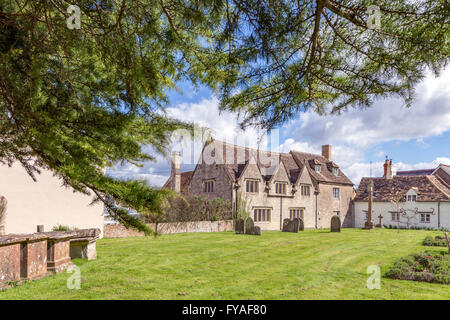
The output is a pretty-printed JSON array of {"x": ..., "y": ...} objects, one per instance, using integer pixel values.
[{"x": 119, "y": 231}]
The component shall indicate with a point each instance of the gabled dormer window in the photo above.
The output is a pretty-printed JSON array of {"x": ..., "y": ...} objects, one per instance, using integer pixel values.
[
  {"x": 335, "y": 171},
  {"x": 318, "y": 168},
  {"x": 280, "y": 188},
  {"x": 411, "y": 195},
  {"x": 305, "y": 191},
  {"x": 252, "y": 186},
  {"x": 208, "y": 186}
]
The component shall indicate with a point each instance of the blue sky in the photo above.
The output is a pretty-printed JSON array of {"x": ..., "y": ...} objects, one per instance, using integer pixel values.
[{"x": 416, "y": 137}]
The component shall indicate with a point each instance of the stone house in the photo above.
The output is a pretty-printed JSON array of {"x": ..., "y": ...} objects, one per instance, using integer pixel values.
[
  {"x": 421, "y": 198},
  {"x": 276, "y": 185}
]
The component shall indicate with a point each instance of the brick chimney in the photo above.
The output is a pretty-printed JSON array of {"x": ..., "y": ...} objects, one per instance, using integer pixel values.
[
  {"x": 388, "y": 169},
  {"x": 175, "y": 172},
  {"x": 326, "y": 151}
]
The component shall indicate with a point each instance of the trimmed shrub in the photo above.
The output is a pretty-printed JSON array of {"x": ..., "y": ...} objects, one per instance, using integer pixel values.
[
  {"x": 425, "y": 267},
  {"x": 437, "y": 241},
  {"x": 195, "y": 208}
]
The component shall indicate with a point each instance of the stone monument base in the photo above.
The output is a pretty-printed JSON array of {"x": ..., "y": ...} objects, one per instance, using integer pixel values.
[{"x": 369, "y": 225}]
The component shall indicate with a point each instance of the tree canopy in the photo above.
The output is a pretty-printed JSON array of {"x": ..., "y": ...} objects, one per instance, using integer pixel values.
[{"x": 76, "y": 101}]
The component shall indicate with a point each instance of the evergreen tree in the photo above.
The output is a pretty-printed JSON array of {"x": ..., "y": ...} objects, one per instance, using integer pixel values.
[
  {"x": 329, "y": 55},
  {"x": 76, "y": 101}
]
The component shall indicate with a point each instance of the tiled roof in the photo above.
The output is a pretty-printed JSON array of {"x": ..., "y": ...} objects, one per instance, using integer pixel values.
[
  {"x": 235, "y": 159},
  {"x": 293, "y": 162},
  {"x": 185, "y": 180},
  {"x": 421, "y": 172},
  {"x": 325, "y": 175},
  {"x": 443, "y": 172},
  {"x": 429, "y": 188}
]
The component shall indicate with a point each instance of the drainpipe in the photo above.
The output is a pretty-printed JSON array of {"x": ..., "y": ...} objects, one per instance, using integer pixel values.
[
  {"x": 439, "y": 214},
  {"x": 317, "y": 212},
  {"x": 281, "y": 213}
]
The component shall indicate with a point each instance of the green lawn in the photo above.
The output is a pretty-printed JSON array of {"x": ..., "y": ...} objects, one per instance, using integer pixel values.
[{"x": 313, "y": 264}]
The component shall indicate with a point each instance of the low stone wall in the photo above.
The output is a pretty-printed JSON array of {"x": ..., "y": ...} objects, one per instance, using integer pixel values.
[{"x": 119, "y": 231}]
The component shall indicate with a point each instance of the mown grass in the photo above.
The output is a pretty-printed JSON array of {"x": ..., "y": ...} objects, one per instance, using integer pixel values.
[{"x": 314, "y": 264}]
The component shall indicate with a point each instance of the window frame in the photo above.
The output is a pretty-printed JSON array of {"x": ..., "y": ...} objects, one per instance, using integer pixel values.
[
  {"x": 338, "y": 194},
  {"x": 297, "y": 212},
  {"x": 318, "y": 168},
  {"x": 208, "y": 186},
  {"x": 335, "y": 171},
  {"x": 425, "y": 218},
  {"x": 251, "y": 182},
  {"x": 303, "y": 189},
  {"x": 397, "y": 216},
  {"x": 283, "y": 186},
  {"x": 262, "y": 215}
]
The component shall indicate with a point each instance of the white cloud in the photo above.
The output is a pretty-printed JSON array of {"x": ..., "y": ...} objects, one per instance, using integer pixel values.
[
  {"x": 224, "y": 126},
  {"x": 358, "y": 170},
  {"x": 355, "y": 132},
  {"x": 387, "y": 120}
]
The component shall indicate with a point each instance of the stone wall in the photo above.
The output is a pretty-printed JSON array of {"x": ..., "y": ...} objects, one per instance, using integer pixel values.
[
  {"x": 280, "y": 205},
  {"x": 328, "y": 205},
  {"x": 222, "y": 182},
  {"x": 119, "y": 231}
]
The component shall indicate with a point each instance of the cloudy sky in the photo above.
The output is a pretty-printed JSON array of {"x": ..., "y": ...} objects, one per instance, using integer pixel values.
[{"x": 414, "y": 138}]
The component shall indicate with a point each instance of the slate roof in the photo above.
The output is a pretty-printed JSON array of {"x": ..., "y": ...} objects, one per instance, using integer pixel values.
[{"x": 429, "y": 188}]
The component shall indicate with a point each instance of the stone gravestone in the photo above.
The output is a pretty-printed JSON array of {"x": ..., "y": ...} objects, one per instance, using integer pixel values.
[
  {"x": 290, "y": 225},
  {"x": 250, "y": 227},
  {"x": 239, "y": 226},
  {"x": 335, "y": 224},
  {"x": 249, "y": 224},
  {"x": 296, "y": 224},
  {"x": 286, "y": 225},
  {"x": 301, "y": 226}
]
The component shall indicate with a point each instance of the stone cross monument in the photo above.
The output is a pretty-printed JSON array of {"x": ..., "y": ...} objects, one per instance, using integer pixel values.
[
  {"x": 369, "y": 223},
  {"x": 380, "y": 217}
]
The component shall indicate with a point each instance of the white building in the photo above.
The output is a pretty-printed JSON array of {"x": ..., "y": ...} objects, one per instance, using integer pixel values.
[
  {"x": 45, "y": 202},
  {"x": 417, "y": 199}
]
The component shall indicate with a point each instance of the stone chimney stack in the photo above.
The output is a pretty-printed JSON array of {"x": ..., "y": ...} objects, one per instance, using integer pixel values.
[
  {"x": 326, "y": 151},
  {"x": 175, "y": 173}
]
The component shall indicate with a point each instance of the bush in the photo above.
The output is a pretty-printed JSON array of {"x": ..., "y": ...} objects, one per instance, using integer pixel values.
[
  {"x": 60, "y": 227},
  {"x": 422, "y": 267},
  {"x": 437, "y": 241},
  {"x": 196, "y": 208}
]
